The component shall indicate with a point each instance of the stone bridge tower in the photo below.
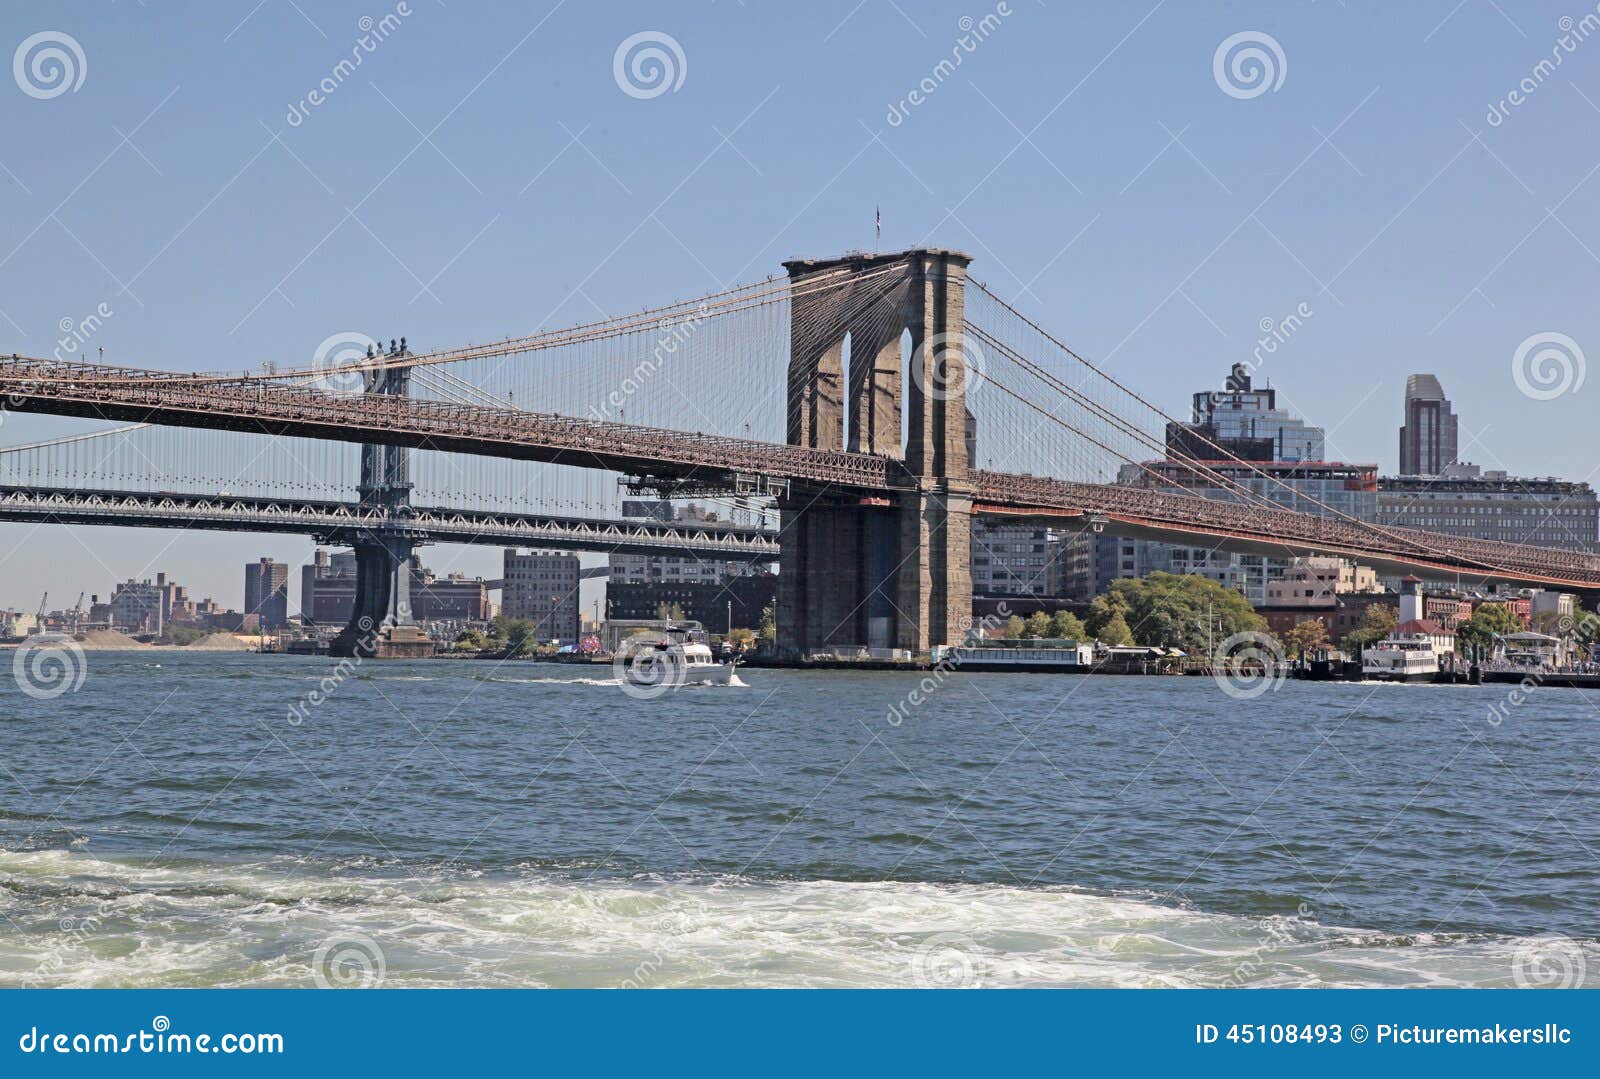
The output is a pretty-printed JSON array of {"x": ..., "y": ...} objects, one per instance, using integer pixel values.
[{"x": 879, "y": 572}]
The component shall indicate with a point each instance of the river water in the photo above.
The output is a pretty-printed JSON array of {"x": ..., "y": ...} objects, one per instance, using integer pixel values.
[{"x": 186, "y": 819}]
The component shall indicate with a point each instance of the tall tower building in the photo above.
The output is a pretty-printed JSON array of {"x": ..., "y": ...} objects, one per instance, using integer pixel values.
[
  {"x": 266, "y": 592},
  {"x": 1428, "y": 435}
]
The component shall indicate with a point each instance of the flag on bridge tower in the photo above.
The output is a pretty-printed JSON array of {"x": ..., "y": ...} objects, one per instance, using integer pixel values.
[{"x": 877, "y": 228}]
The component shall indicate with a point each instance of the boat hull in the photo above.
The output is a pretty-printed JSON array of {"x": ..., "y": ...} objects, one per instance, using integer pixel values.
[
  {"x": 1399, "y": 676},
  {"x": 713, "y": 674}
]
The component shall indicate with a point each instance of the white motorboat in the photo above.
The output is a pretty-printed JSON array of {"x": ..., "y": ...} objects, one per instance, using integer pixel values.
[{"x": 668, "y": 665}]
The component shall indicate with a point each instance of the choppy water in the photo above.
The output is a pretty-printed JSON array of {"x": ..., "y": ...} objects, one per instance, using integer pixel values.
[{"x": 453, "y": 823}]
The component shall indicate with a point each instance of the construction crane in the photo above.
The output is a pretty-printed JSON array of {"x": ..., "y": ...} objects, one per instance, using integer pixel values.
[
  {"x": 38, "y": 619},
  {"x": 77, "y": 614}
]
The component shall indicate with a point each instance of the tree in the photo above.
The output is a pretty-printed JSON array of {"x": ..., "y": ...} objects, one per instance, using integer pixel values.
[
  {"x": 1188, "y": 612},
  {"x": 182, "y": 635},
  {"x": 1308, "y": 635},
  {"x": 1378, "y": 624},
  {"x": 1038, "y": 624},
  {"x": 519, "y": 634},
  {"x": 1101, "y": 611},
  {"x": 1487, "y": 622},
  {"x": 769, "y": 623},
  {"x": 1067, "y": 626},
  {"x": 470, "y": 640},
  {"x": 1015, "y": 628},
  {"x": 741, "y": 638},
  {"x": 1115, "y": 630}
]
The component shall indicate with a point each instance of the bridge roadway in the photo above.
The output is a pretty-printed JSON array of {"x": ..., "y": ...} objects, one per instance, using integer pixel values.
[
  {"x": 257, "y": 406},
  {"x": 340, "y": 523}
]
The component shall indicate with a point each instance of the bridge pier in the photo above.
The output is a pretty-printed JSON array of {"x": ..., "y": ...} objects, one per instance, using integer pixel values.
[
  {"x": 381, "y": 626},
  {"x": 893, "y": 572}
]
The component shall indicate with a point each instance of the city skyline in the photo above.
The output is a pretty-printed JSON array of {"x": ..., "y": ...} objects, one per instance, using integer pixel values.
[{"x": 1167, "y": 183}]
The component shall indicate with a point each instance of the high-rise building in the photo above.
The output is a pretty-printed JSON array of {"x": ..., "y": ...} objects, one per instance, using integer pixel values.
[
  {"x": 1284, "y": 464},
  {"x": 1240, "y": 421},
  {"x": 328, "y": 592},
  {"x": 146, "y": 606},
  {"x": 636, "y": 569},
  {"x": 266, "y": 592},
  {"x": 1428, "y": 435},
  {"x": 1494, "y": 506},
  {"x": 1010, "y": 559},
  {"x": 542, "y": 586}
]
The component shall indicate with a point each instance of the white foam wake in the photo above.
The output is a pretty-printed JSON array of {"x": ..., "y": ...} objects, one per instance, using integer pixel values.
[{"x": 76, "y": 920}]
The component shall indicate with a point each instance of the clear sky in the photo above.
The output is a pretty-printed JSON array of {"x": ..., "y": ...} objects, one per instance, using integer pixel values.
[{"x": 485, "y": 172}]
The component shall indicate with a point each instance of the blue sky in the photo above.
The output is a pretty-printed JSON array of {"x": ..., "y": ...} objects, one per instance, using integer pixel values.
[{"x": 483, "y": 173}]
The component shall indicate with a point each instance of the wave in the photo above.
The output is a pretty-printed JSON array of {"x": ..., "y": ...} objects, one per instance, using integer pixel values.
[{"x": 78, "y": 920}]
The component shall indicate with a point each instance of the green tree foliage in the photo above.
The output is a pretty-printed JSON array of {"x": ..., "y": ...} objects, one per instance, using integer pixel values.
[
  {"x": 769, "y": 623},
  {"x": 1378, "y": 624},
  {"x": 1015, "y": 628},
  {"x": 519, "y": 635},
  {"x": 1067, "y": 626},
  {"x": 1114, "y": 630},
  {"x": 1489, "y": 620},
  {"x": 1038, "y": 624},
  {"x": 1308, "y": 635},
  {"x": 182, "y": 635},
  {"x": 1101, "y": 612},
  {"x": 1186, "y": 612}
]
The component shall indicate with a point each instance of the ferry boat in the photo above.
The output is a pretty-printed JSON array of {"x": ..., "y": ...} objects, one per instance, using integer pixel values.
[
  {"x": 671, "y": 664},
  {"x": 1401, "y": 657},
  {"x": 1050, "y": 655}
]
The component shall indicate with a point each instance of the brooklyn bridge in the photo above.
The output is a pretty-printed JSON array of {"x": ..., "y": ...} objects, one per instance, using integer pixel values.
[{"x": 859, "y": 411}]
